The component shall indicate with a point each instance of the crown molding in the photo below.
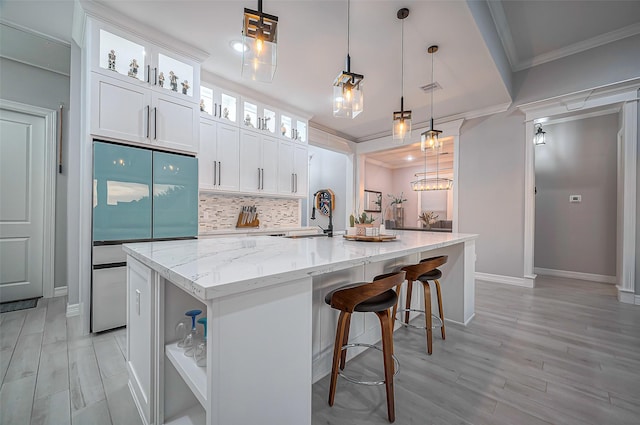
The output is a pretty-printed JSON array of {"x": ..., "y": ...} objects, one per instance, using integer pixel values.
[
  {"x": 623, "y": 91},
  {"x": 586, "y": 115},
  {"x": 504, "y": 31},
  {"x": 581, "y": 46},
  {"x": 478, "y": 113}
]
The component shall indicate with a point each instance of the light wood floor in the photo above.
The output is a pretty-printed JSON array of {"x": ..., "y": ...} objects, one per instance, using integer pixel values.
[{"x": 564, "y": 353}]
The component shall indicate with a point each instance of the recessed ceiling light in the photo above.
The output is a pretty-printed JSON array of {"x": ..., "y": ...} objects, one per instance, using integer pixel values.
[
  {"x": 238, "y": 46},
  {"x": 409, "y": 158}
]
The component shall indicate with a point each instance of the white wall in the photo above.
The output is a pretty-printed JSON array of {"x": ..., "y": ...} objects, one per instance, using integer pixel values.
[
  {"x": 39, "y": 87},
  {"x": 579, "y": 159},
  {"x": 638, "y": 209},
  {"x": 327, "y": 170},
  {"x": 490, "y": 184}
]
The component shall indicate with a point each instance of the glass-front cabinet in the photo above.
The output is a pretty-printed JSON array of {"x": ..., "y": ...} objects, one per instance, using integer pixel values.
[
  {"x": 293, "y": 128},
  {"x": 219, "y": 103},
  {"x": 128, "y": 57},
  {"x": 259, "y": 116}
]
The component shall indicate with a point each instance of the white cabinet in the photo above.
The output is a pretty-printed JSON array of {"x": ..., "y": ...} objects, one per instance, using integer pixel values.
[
  {"x": 220, "y": 104},
  {"x": 140, "y": 92},
  {"x": 124, "y": 56},
  {"x": 260, "y": 117},
  {"x": 292, "y": 169},
  {"x": 132, "y": 112},
  {"x": 140, "y": 336},
  {"x": 293, "y": 128},
  {"x": 259, "y": 163},
  {"x": 219, "y": 156}
]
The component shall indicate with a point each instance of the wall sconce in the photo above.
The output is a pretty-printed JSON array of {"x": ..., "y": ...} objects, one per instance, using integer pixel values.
[
  {"x": 260, "y": 35},
  {"x": 539, "y": 137}
]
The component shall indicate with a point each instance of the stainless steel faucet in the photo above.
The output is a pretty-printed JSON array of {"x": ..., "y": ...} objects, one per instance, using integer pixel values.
[{"x": 328, "y": 230}]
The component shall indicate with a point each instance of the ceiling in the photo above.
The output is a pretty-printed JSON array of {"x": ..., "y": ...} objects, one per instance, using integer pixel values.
[
  {"x": 312, "y": 46},
  {"x": 411, "y": 156}
]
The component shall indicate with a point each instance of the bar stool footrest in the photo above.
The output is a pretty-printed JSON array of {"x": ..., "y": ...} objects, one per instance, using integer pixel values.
[
  {"x": 396, "y": 365},
  {"x": 437, "y": 322}
]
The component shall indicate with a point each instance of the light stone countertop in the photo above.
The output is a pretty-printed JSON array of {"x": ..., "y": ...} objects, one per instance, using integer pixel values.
[{"x": 216, "y": 267}]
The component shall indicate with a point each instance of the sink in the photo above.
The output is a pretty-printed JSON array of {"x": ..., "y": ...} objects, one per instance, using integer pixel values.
[{"x": 314, "y": 235}]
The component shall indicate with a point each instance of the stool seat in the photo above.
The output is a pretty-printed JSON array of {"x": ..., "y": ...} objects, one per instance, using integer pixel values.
[
  {"x": 432, "y": 275},
  {"x": 379, "y": 302}
]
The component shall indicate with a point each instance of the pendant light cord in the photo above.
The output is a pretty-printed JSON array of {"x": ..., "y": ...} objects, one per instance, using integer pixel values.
[
  {"x": 402, "y": 61},
  {"x": 432, "y": 87},
  {"x": 348, "y": 25}
]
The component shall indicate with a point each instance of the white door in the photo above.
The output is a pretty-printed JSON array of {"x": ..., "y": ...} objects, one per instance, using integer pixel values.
[
  {"x": 250, "y": 167},
  {"x": 285, "y": 168},
  {"x": 269, "y": 164},
  {"x": 22, "y": 194},
  {"x": 175, "y": 123},
  {"x": 206, "y": 154},
  {"x": 301, "y": 170}
]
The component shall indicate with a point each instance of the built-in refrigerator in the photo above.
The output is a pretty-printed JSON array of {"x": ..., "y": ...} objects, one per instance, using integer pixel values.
[{"x": 138, "y": 195}]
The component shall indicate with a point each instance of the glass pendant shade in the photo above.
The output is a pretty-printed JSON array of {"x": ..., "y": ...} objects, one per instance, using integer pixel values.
[
  {"x": 260, "y": 35},
  {"x": 401, "y": 125},
  {"x": 348, "y": 95}
]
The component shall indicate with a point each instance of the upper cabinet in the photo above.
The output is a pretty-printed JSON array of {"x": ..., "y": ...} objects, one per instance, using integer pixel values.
[
  {"x": 259, "y": 117},
  {"x": 130, "y": 58},
  {"x": 142, "y": 93},
  {"x": 293, "y": 128},
  {"x": 220, "y": 104}
]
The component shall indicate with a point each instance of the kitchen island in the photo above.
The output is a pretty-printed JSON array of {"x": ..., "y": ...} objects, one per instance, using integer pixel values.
[{"x": 270, "y": 335}]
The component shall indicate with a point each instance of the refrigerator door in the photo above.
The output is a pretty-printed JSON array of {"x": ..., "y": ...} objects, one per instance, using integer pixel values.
[
  {"x": 175, "y": 196},
  {"x": 121, "y": 192}
]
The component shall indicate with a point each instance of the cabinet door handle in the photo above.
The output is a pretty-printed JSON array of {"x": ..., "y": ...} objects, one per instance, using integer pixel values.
[
  {"x": 292, "y": 183},
  {"x": 220, "y": 110},
  {"x": 155, "y": 123},
  {"x": 148, "y": 118},
  {"x": 148, "y": 73},
  {"x": 155, "y": 76},
  {"x": 259, "y": 180},
  {"x": 215, "y": 173},
  {"x": 296, "y": 175},
  {"x": 262, "y": 178},
  {"x": 215, "y": 109},
  {"x": 219, "y": 173}
]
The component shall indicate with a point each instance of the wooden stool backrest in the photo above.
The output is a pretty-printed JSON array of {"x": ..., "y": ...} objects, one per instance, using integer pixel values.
[
  {"x": 414, "y": 271},
  {"x": 347, "y": 299}
]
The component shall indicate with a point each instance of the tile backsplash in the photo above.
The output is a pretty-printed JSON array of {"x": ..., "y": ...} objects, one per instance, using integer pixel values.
[{"x": 219, "y": 211}]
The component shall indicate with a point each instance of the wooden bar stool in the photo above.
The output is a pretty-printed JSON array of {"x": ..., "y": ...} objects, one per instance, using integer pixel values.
[
  {"x": 376, "y": 297},
  {"x": 424, "y": 272}
]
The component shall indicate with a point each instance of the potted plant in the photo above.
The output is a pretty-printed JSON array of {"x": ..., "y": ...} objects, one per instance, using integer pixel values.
[
  {"x": 362, "y": 222},
  {"x": 427, "y": 218}
]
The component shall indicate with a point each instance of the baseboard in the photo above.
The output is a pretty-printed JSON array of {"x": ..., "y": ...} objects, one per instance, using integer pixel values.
[
  {"x": 455, "y": 322},
  {"x": 576, "y": 275},
  {"x": 637, "y": 299},
  {"x": 73, "y": 310},
  {"x": 507, "y": 280},
  {"x": 60, "y": 291}
]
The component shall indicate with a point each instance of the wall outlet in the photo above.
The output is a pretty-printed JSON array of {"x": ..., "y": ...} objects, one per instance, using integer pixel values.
[{"x": 575, "y": 198}]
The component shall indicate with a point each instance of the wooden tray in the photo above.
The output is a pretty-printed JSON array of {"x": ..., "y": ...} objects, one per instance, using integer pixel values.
[{"x": 381, "y": 238}]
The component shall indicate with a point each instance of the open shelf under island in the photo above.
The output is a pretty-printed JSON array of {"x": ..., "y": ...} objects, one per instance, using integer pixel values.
[{"x": 270, "y": 335}]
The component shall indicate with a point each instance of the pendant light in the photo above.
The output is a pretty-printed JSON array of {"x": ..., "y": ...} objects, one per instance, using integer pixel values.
[
  {"x": 402, "y": 118},
  {"x": 260, "y": 35},
  {"x": 348, "y": 98},
  {"x": 429, "y": 140}
]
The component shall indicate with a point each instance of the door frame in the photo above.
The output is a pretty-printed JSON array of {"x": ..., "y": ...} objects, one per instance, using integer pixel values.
[
  {"x": 624, "y": 95},
  {"x": 49, "y": 224}
]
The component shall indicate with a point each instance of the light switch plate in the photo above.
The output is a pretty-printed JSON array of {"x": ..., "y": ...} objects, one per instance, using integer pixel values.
[{"x": 575, "y": 198}]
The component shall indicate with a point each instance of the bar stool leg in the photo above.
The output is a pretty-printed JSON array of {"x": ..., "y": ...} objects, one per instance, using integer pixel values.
[
  {"x": 345, "y": 341},
  {"x": 395, "y": 307},
  {"x": 386, "y": 325},
  {"x": 440, "y": 309},
  {"x": 337, "y": 350},
  {"x": 408, "y": 302},
  {"x": 427, "y": 315}
]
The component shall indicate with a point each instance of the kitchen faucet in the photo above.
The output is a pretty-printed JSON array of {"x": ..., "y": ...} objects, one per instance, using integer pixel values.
[{"x": 328, "y": 230}]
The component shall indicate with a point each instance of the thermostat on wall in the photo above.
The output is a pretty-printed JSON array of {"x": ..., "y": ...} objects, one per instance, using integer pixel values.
[{"x": 575, "y": 198}]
